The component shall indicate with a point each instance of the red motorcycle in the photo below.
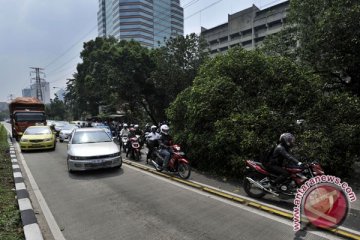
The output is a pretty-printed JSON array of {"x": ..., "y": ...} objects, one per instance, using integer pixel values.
[
  {"x": 258, "y": 180},
  {"x": 134, "y": 148},
  {"x": 177, "y": 163}
]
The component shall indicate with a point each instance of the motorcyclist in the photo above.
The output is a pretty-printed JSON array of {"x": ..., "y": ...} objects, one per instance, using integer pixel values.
[
  {"x": 152, "y": 141},
  {"x": 124, "y": 131},
  {"x": 165, "y": 142},
  {"x": 128, "y": 144},
  {"x": 281, "y": 157}
]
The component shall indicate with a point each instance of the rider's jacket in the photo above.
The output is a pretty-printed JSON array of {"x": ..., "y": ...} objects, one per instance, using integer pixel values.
[
  {"x": 124, "y": 132},
  {"x": 281, "y": 156},
  {"x": 165, "y": 141},
  {"x": 152, "y": 136}
]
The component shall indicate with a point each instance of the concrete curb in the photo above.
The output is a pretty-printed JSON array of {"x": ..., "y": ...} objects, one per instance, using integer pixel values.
[
  {"x": 30, "y": 226},
  {"x": 340, "y": 231}
]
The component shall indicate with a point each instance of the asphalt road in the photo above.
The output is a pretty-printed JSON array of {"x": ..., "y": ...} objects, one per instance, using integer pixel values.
[{"x": 131, "y": 204}]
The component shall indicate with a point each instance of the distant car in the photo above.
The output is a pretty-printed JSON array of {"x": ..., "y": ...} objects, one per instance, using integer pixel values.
[
  {"x": 59, "y": 125},
  {"x": 38, "y": 137},
  {"x": 92, "y": 148},
  {"x": 66, "y": 131}
]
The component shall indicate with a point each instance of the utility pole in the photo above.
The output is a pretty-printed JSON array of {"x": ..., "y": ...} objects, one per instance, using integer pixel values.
[{"x": 38, "y": 81}]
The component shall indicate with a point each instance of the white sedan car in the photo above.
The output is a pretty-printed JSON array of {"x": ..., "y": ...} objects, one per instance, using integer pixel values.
[
  {"x": 66, "y": 131},
  {"x": 92, "y": 148}
]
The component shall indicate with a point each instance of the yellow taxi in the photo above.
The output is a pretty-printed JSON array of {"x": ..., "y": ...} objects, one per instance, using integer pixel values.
[{"x": 38, "y": 137}]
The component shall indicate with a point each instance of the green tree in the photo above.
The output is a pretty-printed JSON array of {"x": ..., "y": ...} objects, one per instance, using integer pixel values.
[
  {"x": 56, "y": 110},
  {"x": 177, "y": 64},
  {"x": 242, "y": 101},
  {"x": 328, "y": 40}
]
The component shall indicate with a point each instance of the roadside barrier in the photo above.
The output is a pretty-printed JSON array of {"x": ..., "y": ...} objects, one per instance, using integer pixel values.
[{"x": 30, "y": 225}]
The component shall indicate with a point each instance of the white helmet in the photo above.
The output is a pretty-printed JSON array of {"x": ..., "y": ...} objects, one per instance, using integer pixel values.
[
  {"x": 125, "y": 125},
  {"x": 164, "y": 129},
  {"x": 136, "y": 126},
  {"x": 153, "y": 127}
]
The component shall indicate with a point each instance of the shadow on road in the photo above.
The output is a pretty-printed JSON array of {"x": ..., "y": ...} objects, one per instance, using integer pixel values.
[{"x": 96, "y": 174}]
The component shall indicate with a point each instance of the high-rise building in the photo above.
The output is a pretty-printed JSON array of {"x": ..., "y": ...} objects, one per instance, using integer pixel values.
[
  {"x": 26, "y": 92},
  {"x": 247, "y": 28},
  {"x": 45, "y": 91},
  {"x": 148, "y": 22}
]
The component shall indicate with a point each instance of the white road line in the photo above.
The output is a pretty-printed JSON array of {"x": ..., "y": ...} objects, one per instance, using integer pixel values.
[
  {"x": 54, "y": 227},
  {"x": 249, "y": 209}
]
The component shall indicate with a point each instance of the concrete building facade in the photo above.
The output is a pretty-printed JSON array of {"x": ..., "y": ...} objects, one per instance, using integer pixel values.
[
  {"x": 148, "y": 22},
  {"x": 247, "y": 28}
]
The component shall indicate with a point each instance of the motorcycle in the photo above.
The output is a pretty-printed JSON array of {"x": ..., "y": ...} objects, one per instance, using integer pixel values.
[
  {"x": 134, "y": 148},
  {"x": 123, "y": 142},
  {"x": 258, "y": 181},
  {"x": 177, "y": 163}
]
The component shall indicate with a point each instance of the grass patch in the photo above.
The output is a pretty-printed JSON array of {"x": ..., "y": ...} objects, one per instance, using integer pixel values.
[{"x": 10, "y": 220}]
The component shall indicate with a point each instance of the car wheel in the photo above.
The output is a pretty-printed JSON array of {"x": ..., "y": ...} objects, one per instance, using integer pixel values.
[{"x": 61, "y": 140}]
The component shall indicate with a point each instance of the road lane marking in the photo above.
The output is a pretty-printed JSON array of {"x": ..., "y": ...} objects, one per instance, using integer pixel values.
[
  {"x": 54, "y": 227},
  {"x": 341, "y": 231}
]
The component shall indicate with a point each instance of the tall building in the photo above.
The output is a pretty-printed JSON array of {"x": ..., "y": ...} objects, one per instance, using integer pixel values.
[
  {"x": 148, "y": 22},
  {"x": 247, "y": 28},
  {"x": 26, "y": 92},
  {"x": 31, "y": 92}
]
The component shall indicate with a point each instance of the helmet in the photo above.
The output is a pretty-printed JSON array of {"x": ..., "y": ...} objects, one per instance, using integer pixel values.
[
  {"x": 136, "y": 126},
  {"x": 287, "y": 139},
  {"x": 153, "y": 127},
  {"x": 164, "y": 129},
  {"x": 132, "y": 129},
  {"x": 125, "y": 125}
]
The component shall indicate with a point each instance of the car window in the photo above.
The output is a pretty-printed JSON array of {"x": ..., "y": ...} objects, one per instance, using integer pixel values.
[
  {"x": 90, "y": 137},
  {"x": 37, "y": 131}
]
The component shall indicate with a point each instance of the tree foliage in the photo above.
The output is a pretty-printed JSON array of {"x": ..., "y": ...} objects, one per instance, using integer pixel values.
[
  {"x": 56, "y": 110},
  {"x": 328, "y": 39},
  {"x": 242, "y": 101},
  {"x": 124, "y": 75}
]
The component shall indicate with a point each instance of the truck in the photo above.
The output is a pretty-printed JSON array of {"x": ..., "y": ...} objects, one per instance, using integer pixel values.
[{"x": 25, "y": 112}]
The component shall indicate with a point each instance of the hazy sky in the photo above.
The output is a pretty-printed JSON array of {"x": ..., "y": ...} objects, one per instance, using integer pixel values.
[{"x": 50, "y": 33}]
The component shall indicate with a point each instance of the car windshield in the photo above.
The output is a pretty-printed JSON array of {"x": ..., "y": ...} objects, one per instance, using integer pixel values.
[
  {"x": 30, "y": 117},
  {"x": 37, "y": 131},
  {"x": 90, "y": 137}
]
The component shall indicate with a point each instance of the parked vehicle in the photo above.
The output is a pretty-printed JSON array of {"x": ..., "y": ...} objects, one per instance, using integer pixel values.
[
  {"x": 177, "y": 163},
  {"x": 92, "y": 148},
  {"x": 258, "y": 181},
  {"x": 25, "y": 112},
  {"x": 134, "y": 148},
  {"x": 38, "y": 137},
  {"x": 66, "y": 131}
]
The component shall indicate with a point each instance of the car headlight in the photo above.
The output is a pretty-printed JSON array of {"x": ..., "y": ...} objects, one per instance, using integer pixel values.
[
  {"x": 47, "y": 139},
  {"x": 115, "y": 154},
  {"x": 24, "y": 140},
  {"x": 77, "y": 158}
]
